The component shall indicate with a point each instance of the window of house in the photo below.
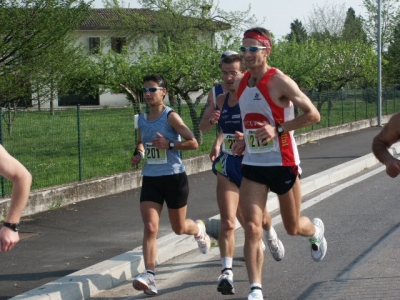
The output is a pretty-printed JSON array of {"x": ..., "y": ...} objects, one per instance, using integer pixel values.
[
  {"x": 94, "y": 45},
  {"x": 117, "y": 44}
]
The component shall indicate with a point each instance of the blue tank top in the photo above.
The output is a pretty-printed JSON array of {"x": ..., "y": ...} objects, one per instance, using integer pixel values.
[
  {"x": 159, "y": 162},
  {"x": 217, "y": 90},
  {"x": 230, "y": 119}
]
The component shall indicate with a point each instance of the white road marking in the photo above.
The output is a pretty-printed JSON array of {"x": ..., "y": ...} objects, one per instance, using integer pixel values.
[{"x": 330, "y": 192}]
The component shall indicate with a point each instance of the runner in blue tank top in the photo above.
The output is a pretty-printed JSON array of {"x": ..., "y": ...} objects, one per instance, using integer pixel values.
[
  {"x": 211, "y": 113},
  {"x": 227, "y": 167},
  {"x": 164, "y": 177}
]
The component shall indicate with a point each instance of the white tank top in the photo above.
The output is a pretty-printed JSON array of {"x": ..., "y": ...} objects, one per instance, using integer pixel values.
[{"x": 256, "y": 106}]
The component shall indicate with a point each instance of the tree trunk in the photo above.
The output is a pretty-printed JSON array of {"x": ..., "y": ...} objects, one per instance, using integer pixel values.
[{"x": 195, "y": 121}]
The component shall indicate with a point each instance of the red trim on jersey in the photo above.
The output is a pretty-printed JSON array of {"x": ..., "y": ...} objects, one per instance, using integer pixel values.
[
  {"x": 243, "y": 84},
  {"x": 278, "y": 113}
]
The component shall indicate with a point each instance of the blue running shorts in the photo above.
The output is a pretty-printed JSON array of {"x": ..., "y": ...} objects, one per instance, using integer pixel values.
[{"x": 229, "y": 166}]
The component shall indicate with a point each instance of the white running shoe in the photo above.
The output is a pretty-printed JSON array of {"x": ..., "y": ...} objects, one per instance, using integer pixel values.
[
  {"x": 225, "y": 284},
  {"x": 275, "y": 247},
  {"x": 319, "y": 245},
  {"x": 144, "y": 282},
  {"x": 203, "y": 240},
  {"x": 255, "y": 294}
]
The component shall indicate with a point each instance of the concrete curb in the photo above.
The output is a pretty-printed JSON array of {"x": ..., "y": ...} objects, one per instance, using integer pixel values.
[
  {"x": 105, "y": 275},
  {"x": 62, "y": 195}
]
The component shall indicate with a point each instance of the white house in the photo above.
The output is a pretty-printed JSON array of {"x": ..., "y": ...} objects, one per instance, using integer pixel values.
[{"x": 98, "y": 30}]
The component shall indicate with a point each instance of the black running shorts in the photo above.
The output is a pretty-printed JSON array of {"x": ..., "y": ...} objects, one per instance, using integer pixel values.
[
  {"x": 173, "y": 189},
  {"x": 279, "y": 179}
]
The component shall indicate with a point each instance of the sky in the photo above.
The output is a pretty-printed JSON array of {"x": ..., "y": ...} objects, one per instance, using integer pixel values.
[{"x": 278, "y": 14}]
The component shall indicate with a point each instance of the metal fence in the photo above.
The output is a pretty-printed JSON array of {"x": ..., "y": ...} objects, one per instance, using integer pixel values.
[{"x": 76, "y": 144}]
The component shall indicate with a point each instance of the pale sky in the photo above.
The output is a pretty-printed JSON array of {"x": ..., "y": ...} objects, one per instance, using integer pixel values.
[{"x": 278, "y": 14}]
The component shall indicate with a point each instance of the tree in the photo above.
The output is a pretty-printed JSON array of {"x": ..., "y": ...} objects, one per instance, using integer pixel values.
[
  {"x": 326, "y": 65},
  {"x": 391, "y": 70},
  {"x": 30, "y": 31},
  {"x": 353, "y": 27},
  {"x": 63, "y": 69},
  {"x": 390, "y": 16},
  {"x": 326, "y": 21},
  {"x": 185, "y": 46},
  {"x": 348, "y": 64},
  {"x": 297, "y": 32},
  {"x": 29, "y": 28},
  {"x": 189, "y": 71},
  {"x": 299, "y": 61}
]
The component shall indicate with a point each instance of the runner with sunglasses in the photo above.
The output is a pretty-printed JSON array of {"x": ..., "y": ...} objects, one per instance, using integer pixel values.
[
  {"x": 271, "y": 160},
  {"x": 164, "y": 178},
  {"x": 227, "y": 167}
]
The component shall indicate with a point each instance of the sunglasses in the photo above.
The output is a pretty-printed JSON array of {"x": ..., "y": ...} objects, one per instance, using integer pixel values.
[
  {"x": 151, "y": 89},
  {"x": 252, "y": 49}
]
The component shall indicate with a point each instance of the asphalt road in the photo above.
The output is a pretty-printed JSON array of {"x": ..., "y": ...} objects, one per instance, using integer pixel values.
[
  {"x": 362, "y": 262},
  {"x": 59, "y": 242}
]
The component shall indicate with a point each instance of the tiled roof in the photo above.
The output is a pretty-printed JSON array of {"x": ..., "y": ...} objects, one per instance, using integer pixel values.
[{"x": 105, "y": 18}]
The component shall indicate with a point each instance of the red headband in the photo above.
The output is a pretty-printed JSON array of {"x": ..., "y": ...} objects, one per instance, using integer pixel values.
[{"x": 259, "y": 37}]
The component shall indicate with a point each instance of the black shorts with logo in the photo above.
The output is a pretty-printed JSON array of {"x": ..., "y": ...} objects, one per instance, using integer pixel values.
[
  {"x": 279, "y": 179},
  {"x": 173, "y": 189}
]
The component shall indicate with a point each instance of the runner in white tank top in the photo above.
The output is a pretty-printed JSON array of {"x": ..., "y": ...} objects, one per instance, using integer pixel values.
[
  {"x": 266, "y": 99},
  {"x": 257, "y": 108}
]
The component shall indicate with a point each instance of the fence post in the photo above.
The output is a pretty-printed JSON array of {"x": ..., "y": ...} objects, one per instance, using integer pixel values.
[
  {"x": 329, "y": 111},
  {"x": 3, "y": 188},
  {"x": 386, "y": 101},
  {"x": 355, "y": 105},
  {"x": 78, "y": 115},
  {"x": 342, "y": 98}
]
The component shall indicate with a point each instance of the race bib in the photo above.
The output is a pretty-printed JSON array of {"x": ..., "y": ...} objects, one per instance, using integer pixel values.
[
  {"x": 227, "y": 143},
  {"x": 256, "y": 146},
  {"x": 155, "y": 156}
]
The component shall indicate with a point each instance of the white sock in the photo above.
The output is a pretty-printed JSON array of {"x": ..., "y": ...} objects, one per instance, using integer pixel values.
[
  {"x": 200, "y": 233},
  {"x": 255, "y": 285},
  {"x": 151, "y": 274},
  {"x": 226, "y": 262},
  {"x": 271, "y": 233},
  {"x": 317, "y": 232}
]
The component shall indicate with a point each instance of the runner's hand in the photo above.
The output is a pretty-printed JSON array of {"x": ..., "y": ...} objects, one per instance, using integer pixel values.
[
  {"x": 215, "y": 116},
  {"x": 160, "y": 142},
  {"x": 8, "y": 239},
  {"x": 238, "y": 147},
  {"x": 135, "y": 159},
  {"x": 393, "y": 168},
  {"x": 265, "y": 133},
  {"x": 214, "y": 153}
]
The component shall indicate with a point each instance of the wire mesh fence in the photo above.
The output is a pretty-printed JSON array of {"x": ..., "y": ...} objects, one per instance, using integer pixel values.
[{"x": 77, "y": 144}]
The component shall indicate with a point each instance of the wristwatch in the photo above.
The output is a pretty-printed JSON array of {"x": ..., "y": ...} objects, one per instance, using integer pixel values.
[
  {"x": 12, "y": 226},
  {"x": 279, "y": 129},
  {"x": 171, "y": 145}
]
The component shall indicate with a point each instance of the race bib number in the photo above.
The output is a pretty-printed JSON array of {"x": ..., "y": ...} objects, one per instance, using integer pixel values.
[
  {"x": 155, "y": 156},
  {"x": 256, "y": 146},
  {"x": 227, "y": 143}
]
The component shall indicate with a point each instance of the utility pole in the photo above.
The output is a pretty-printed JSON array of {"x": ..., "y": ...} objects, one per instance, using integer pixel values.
[{"x": 379, "y": 65}]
